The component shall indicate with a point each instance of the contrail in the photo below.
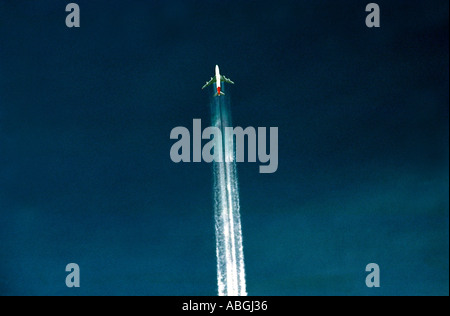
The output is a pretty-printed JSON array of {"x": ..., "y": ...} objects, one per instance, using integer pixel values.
[{"x": 229, "y": 249}]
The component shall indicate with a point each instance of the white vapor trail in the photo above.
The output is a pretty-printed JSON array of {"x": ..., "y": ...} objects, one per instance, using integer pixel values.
[{"x": 229, "y": 249}]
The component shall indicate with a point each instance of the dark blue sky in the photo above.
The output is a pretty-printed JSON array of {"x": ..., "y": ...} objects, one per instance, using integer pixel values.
[{"x": 85, "y": 171}]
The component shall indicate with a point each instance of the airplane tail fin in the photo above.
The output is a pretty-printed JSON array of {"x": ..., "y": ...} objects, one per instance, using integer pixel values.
[{"x": 221, "y": 93}]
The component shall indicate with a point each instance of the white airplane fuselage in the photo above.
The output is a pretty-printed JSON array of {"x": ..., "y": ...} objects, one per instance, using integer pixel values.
[{"x": 218, "y": 79}]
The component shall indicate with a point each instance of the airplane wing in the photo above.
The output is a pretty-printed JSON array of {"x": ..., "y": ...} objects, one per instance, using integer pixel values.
[
  {"x": 210, "y": 82},
  {"x": 225, "y": 79}
]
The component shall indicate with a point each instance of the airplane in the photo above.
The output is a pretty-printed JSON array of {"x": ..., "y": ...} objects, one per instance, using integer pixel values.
[{"x": 216, "y": 79}]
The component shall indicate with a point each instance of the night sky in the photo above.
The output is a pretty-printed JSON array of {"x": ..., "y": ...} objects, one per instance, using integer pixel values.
[{"x": 86, "y": 175}]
